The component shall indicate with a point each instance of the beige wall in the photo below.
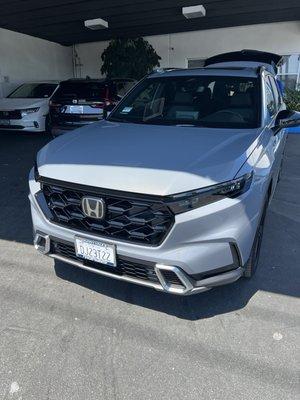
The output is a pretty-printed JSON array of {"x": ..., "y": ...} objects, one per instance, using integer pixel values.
[
  {"x": 26, "y": 58},
  {"x": 176, "y": 49}
]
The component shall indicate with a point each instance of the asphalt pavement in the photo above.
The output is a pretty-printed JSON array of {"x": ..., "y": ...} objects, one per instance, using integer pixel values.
[{"x": 66, "y": 334}]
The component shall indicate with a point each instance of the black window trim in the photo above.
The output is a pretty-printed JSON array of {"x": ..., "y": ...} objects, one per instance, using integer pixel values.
[{"x": 268, "y": 82}]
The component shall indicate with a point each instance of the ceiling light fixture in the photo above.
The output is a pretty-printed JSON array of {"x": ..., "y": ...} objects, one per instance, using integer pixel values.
[
  {"x": 194, "y": 12},
  {"x": 96, "y": 24}
]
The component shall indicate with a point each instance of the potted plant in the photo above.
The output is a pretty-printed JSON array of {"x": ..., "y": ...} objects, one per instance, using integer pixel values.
[{"x": 129, "y": 58}]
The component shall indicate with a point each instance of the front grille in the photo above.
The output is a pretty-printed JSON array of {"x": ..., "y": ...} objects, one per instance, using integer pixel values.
[
  {"x": 134, "y": 219},
  {"x": 125, "y": 267},
  {"x": 7, "y": 127},
  {"x": 12, "y": 114}
]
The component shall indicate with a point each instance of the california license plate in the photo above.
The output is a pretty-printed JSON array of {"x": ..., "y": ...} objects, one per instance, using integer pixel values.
[
  {"x": 5, "y": 122},
  {"x": 76, "y": 109},
  {"x": 94, "y": 250}
]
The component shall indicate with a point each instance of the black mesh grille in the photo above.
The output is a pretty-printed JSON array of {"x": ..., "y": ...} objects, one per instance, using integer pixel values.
[
  {"x": 124, "y": 267},
  {"x": 131, "y": 219},
  {"x": 7, "y": 127},
  {"x": 171, "y": 277},
  {"x": 13, "y": 114}
]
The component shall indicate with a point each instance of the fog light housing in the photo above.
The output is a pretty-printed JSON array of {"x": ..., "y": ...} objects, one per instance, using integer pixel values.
[{"x": 42, "y": 243}]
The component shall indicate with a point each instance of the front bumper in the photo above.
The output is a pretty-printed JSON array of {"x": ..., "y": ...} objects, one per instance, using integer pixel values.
[
  {"x": 26, "y": 124},
  {"x": 166, "y": 278},
  {"x": 58, "y": 129},
  {"x": 207, "y": 246}
]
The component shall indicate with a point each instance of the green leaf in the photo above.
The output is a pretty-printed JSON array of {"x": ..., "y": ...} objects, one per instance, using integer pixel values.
[
  {"x": 129, "y": 58},
  {"x": 292, "y": 99}
]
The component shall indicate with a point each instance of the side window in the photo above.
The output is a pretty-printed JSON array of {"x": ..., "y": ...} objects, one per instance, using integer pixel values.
[
  {"x": 270, "y": 99},
  {"x": 148, "y": 94},
  {"x": 123, "y": 87},
  {"x": 276, "y": 92}
]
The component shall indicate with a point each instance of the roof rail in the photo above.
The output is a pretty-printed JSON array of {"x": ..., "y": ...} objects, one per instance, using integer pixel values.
[
  {"x": 162, "y": 70},
  {"x": 228, "y": 68}
]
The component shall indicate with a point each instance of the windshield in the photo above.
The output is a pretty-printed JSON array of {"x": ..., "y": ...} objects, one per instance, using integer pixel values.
[
  {"x": 212, "y": 101},
  {"x": 33, "y": 91}
]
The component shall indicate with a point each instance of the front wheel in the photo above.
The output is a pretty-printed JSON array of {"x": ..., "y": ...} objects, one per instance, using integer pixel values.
[
  {"x": 48, "y": 124},
  {"x": 252, "y": 263}
]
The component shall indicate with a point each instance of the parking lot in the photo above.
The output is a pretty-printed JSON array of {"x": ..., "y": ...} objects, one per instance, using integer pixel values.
[{"x": 68, "y": 334}]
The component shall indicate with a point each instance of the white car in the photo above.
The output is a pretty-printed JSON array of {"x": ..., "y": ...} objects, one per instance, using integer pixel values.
[{"x": 27, "y": 107}]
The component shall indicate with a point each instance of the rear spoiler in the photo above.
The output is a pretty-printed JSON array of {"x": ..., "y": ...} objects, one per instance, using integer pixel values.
[{"x": 275, "y": 60}]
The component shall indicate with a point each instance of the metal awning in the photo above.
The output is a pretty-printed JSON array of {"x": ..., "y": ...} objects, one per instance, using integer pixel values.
[{"x": 62, "y": 21}]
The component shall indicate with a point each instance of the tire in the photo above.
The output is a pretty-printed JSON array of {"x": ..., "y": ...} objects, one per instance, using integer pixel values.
[
  {"x": 251, "y": 265},
  {"x": 280, "y": 171},
  {"x": 48, "y": 124}
]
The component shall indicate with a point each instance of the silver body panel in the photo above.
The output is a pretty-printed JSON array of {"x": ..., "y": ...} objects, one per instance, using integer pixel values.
[
  {"x": 147, "y": 159},
  {"x": 162, "y": 160}
]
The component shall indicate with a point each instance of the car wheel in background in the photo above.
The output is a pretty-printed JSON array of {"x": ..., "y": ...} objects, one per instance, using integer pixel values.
[{"x": 48, "y": 124}]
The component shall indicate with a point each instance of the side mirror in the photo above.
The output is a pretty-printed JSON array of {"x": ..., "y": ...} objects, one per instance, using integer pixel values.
[{"x": 286, "y": 119}]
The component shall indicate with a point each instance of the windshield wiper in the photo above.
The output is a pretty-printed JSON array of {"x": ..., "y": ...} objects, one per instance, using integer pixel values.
[
  {"x": 173, "y": 123},
  {"x": 179, "y": 123},
  {"x": 183, "y": 125}
]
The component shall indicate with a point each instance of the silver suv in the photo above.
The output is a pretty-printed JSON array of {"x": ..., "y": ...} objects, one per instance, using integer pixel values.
[{"x": 171, "y": 191}]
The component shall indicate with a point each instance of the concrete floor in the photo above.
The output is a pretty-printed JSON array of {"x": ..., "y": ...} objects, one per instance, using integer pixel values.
[{"x": 67, "y": 334}]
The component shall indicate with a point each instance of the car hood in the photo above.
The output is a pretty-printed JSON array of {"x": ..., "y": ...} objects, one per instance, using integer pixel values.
[
  {"x": 19, "y": 104},
  {"x": 150, "y": 159}
]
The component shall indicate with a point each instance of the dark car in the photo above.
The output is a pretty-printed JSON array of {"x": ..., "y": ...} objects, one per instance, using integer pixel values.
[{"x": 78, "y": 102}]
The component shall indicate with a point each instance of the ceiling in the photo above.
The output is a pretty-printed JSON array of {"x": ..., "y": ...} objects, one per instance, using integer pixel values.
[{"x": 62, "y": 21}]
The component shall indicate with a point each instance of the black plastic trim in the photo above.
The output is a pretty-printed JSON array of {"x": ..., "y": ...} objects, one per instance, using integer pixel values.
[
  {"x": 97, "y": 190},
  {"x": 8, "y": 127},
  {"x": 126, "y": 266},
  {"x": 154, "y": 241},
  {"x": 214, "y": 272}
]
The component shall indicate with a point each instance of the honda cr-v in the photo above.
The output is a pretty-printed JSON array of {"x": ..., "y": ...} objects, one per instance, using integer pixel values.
[{"x": 171, "y": 191}]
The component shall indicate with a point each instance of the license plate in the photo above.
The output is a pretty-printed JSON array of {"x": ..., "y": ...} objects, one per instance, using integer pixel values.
[
  {"x": 76, "y": 109},
  {"x": 94, "y": 250},
  {"x": 4, "y": 122}
]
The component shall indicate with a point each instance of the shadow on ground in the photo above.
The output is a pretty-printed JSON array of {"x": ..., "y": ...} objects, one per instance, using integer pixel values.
[
  {"x": 17, "y": 156},
  {"x": 278, "y": 270}
]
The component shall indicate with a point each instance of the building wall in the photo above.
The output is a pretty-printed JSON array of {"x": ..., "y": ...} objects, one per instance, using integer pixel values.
[
  {"x": 176, "y": 49},
  {"x": 26, "y": 58}
]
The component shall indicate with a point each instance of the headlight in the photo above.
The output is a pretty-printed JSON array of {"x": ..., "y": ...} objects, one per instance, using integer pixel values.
[
  {"x": 187, "y": 201},
  {"x": 29, "y": 111}
]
